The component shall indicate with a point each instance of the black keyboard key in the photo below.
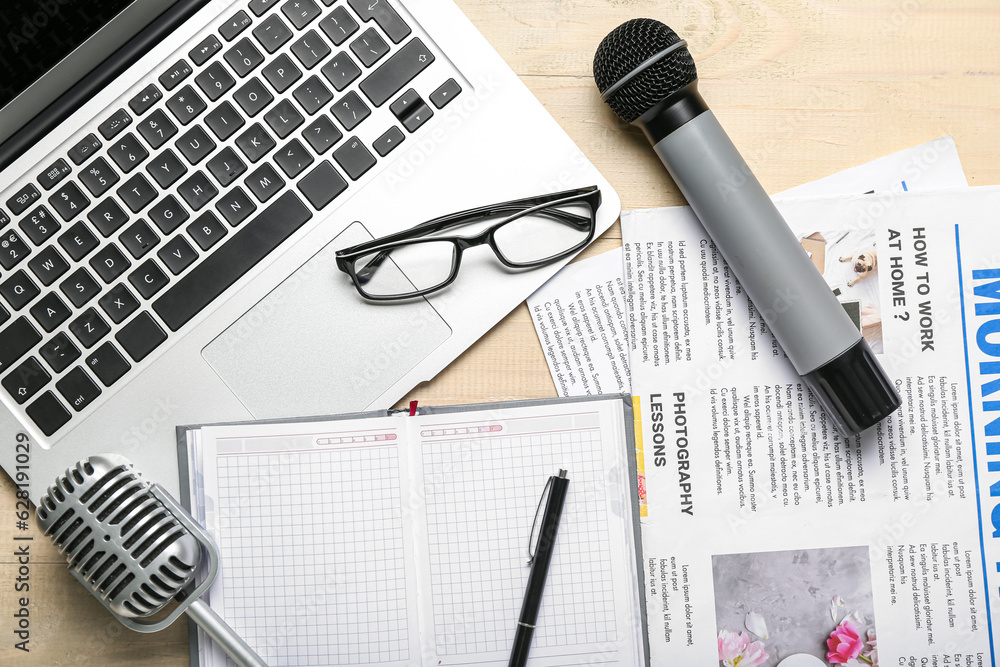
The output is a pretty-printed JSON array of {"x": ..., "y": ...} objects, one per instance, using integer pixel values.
[
  {"x": 26, "y": 380},
  {"x": 322, "y": 185},
  {"x": 173, "y": 76},
  {"x": 4, "y": 315},
  {"x": 385, "y": 16},
  {"x": 84, "y": 149},
  {"x": 18, "y": 290},
  {"x": 146, "y": 98},
  {"x": 12, "y": 249},
  {"x": 219, "y": 270},
  {"x": 4, "y": 219},
  {"x": 215, "y": 81},
  {"x": 300, "y": 12},
  {"x": 283, "y": 118},
  {"x": 226, "y": 166},
  {"x": 255, "y": 142},
  {"x": 107, "y": 364},
  {"x": 109, "y": 262},
  {"x": 293, "y": 158},
  {"x": 118, "y": 303},
  {"x": 206, "y": 48},
  {"x": 207, "y": 230},
  {"x": 80, "y": 287},
  {"x": 69, "y": 201},
  {"x": 78, "y": 241},
  {"x": 48, "y": 265},
  {"x": 78, "y": 389},
  {"x": 445, "y": 93},
  {"x": 253, "y": 97},
  {"x": 166, "y": 168},
  {"x": 107, "y": 217},
  {"x": 259, "y": 7},
  {"x": 388, "y": 141},
  {"x": 186, "y": 105},
  {"x": 48, "y": 413},
  {"x": 99, "y": 176},
  {"x": 272, "y": 33},
  {"x": 339, "y": 25},
  {"x": 141, "y": 336},
  {"x": 417, "y": 117},
  {"x": 138, "y": 239},
  {"x": 281, "y": 73},
  {"x": 322, "y": 134},
  {"x": 177, "y": 254},
  {"x": 405, "y": 103},
  {"x": 137, "y": 193},
  {"x": 118, "y": 121},
  {"x": 59, "y": 352},
  {"x": 354, "y": 158},
  {"x": 24, "y": 198},
  {"x": 195, "y": 145},
  {"x": 313, "y": 95},
  {"x": 235, "y": 206},
  {"x": 369, "y": 47},
  {"x": 156, "y": 129},
  {"x": 350, "y": 110},
  {"x": 224, "y": 121},
  {"x": 50, "y": 311},
  {"x": 244, "y": 57},
  {"x": 265, "y": 182},
  {"x": 19, "y": 337},
  {"x": 310, "y": 49},
  {"x": 148, "y": 279},
  {"x": 341, "y": 71},
  {"x": 89, "y": 328},
  {"x": 168, "y": 214},
  {"x": 234, "y": 26},
  {"x": 39, "y": 225},
  {"x": 397, "y": 71},
  {"x": 197, "y": 191},
  {"x": 50, "y": 178},
  {"x": 127, "y": 153}
]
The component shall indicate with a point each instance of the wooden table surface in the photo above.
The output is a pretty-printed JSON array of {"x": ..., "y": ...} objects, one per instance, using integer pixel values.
[{"x": 804, "y": 88}]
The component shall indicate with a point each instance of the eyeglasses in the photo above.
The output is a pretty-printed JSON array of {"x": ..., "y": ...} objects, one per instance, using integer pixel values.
[{"x": 533, "y": 232}]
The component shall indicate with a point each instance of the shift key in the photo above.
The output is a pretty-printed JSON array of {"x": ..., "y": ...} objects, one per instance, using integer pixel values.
[{"x": 397, "y": 71}]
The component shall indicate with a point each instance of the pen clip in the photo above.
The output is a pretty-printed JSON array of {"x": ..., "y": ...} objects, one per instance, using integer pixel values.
[{"x": 533, "y": 544}]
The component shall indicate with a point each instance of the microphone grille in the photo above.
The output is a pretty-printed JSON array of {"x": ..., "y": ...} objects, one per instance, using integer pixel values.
[
  {"x": 117, "y": 537},
  {"x": 627, "y": 47}
]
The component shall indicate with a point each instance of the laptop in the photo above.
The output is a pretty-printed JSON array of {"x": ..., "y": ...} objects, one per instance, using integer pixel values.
[{"x": 175, "y": 176}]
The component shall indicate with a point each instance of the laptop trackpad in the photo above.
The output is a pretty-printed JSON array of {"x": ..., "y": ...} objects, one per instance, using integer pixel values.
[{"x": 313, "y": 346}]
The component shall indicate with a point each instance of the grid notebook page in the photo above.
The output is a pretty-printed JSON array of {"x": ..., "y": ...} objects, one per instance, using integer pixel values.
[
  {"x": 482, "y": 483},
  {"x": 310, "y": 526}
]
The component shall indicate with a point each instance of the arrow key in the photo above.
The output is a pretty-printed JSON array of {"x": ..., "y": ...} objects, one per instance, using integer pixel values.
[
  {"x": 59, "y": 352},
  {"x": 388, "y": 141},
  {"x": 445, "y": 93},
  {"x": 24, "y": 381}
]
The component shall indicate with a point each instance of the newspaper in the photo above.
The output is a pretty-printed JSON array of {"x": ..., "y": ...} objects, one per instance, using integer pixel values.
[
  {"x": 770, "y": 538},
  {"x": 579, "y": 314}
]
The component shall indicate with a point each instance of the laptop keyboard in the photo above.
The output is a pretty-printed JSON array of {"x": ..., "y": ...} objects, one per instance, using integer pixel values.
[{"x": 133, "y": 230}]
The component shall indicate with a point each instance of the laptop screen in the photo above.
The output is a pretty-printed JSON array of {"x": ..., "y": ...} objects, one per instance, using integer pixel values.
[{"x": 48, "y": 46}]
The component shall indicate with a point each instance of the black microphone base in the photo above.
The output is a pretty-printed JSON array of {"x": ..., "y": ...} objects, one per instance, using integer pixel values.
[{"x": 854, "y": 389}]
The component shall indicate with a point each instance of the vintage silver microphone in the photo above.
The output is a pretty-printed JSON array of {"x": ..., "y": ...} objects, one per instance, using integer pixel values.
[{"x": 135, "y": 548}]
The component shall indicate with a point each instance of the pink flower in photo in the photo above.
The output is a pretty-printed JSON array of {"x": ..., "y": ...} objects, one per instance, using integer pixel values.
[
  {"x": 845, "y": 643},
  {"x": 736, "y": 650}
]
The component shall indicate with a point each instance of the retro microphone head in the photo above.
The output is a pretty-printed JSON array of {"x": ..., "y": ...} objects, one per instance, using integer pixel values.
[
  {"x": 639, "y": 64},
  {"x": 134, "y": 547}
]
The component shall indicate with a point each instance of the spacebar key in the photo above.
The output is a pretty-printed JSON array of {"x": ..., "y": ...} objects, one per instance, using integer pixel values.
[
  {"x": 397, "y": 71},
  {"x": 234, "y": 258}
]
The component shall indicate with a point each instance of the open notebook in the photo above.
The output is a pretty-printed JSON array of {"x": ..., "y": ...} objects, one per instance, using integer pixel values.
[{"x": 399, "y": 540}]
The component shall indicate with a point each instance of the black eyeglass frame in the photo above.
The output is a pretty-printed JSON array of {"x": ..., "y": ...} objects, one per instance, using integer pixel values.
[{"x": 542, "y": 204}]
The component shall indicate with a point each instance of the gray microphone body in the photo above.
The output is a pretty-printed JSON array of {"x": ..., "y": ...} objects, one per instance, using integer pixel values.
[
  {"x": 135, "y": 548},
  {"x": 647, "y": 76}
]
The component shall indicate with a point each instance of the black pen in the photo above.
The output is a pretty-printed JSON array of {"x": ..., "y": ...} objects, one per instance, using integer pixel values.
[{"x": 539, "y": 567}]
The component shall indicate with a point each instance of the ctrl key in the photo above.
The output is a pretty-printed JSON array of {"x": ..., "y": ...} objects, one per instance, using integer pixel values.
[
  {"x": 78, "y": 389},
  {"x": 48, "y": 413}
]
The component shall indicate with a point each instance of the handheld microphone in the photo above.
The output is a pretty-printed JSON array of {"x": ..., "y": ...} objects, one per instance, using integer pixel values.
[
  {"x": 135, "y": 548},
  {"x": 647, "y": 76}
]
